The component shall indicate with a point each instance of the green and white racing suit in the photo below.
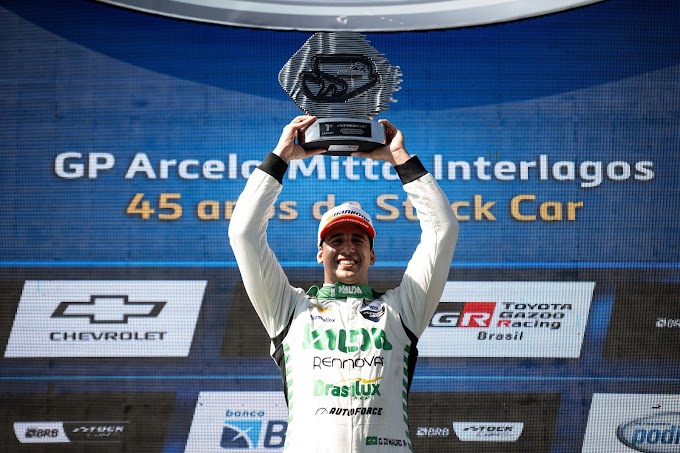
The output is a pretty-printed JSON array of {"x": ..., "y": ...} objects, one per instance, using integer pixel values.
[{"x": 346, "y": 353}]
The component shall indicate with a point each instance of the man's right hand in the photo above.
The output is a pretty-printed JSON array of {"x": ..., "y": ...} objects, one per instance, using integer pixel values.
[{"x": 287, "y": 148}]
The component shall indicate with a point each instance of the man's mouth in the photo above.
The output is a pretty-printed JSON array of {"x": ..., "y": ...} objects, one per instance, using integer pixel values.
[{"x": 346, "y": 262}]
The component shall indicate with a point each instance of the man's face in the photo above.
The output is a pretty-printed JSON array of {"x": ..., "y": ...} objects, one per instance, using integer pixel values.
[{"x": 346, "y": 255}]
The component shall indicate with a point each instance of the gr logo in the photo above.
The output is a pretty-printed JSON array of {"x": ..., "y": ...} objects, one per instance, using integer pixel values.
[{"x": 463, "y": 314}]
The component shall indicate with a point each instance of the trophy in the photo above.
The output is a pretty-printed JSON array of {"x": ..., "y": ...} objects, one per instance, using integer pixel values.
[{"x": 345, "y": 82}]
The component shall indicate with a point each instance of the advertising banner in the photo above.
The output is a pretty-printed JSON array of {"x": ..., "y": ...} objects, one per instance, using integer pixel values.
[
  {"x": 509, "y": 319},
  {"x": 130, "y": 128}
]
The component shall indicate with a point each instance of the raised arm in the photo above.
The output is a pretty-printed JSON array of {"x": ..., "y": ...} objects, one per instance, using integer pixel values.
[
  {"x": 264, "y": 280},
  {"x": 427, "y": 271}
]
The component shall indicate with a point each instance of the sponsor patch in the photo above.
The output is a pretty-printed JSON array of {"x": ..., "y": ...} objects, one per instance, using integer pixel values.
[{"x": 372, "y": 310}]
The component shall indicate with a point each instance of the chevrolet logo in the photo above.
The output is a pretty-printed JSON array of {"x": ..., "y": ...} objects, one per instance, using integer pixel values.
[{"x": 108, "y": 309}]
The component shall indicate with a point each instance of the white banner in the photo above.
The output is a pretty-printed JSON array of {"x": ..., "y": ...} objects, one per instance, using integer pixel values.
[
  {"x": 622, "y": 423},
  {"x": 509, "y": 319},
  {"x": 106, "y": 319},
  {"x": 237, "y": 421}
]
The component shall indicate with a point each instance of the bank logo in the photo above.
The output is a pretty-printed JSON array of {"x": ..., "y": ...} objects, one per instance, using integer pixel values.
[
  {"x": 70, "y": 432},
  {"x": 488, "y": 431},
  {"x": 238, "y": 421},
  {"x": 620, "y": 423},
  {"x": 655, "y": 433},
  {"x": 241, "y": 434},
  {"x": 108, "y": 309},
  {"x": 645, "y": 322},
  {"x": 116, "y": 318},
  {"x": 509, "y": 319},
  {"x": 338, "y": 78}
]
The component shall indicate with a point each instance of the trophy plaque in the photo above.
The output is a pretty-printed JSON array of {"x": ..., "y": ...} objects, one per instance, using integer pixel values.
[{"x": 345, "y": 82}]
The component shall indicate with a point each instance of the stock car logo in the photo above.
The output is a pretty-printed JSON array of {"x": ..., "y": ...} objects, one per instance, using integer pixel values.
[
  {"x": 70, "y": 432},
  {"x": 108, "y": 309},
  {"x": 488, "y": 431},
  {"x": 339, "y": 77}
]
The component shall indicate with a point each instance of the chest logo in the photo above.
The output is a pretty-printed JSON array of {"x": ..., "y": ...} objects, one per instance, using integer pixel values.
[
  {"x": 372, "y": 311},
  {"x": 351, "y": 340}
]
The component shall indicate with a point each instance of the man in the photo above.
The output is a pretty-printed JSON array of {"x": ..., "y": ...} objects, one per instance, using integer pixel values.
[{"x": 346, "y": 353}]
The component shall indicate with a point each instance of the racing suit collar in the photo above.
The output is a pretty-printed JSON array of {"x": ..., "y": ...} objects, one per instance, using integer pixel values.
[{"x": 341, "y": 291}]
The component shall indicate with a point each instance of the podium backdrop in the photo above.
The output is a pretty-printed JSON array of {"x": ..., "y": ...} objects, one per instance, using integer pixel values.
[{"x": 126, "y": 137}]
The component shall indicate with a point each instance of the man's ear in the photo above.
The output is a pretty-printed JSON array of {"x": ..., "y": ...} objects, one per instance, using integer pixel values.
[
  {"x": 319, "y": 256},
  {"x": 372, "y": 257}
]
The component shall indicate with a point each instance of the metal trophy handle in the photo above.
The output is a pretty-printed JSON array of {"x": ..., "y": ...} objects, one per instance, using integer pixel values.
[{"x": 343, "y": 81}]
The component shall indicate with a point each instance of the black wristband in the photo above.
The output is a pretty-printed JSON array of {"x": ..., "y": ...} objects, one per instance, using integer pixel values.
[
  {"x": 274, "y": 166},
  {"x": 410, "y": 170}
]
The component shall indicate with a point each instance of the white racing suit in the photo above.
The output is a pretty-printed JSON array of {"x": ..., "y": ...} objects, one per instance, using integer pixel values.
[{"x": 346, "y": 353}]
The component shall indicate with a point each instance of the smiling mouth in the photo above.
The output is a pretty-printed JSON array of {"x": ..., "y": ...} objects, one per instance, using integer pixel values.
[{"x": 347, "y": 262}]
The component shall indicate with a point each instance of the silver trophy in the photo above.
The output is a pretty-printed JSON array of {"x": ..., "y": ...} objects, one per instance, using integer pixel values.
[{"x": 345, "y": 82}]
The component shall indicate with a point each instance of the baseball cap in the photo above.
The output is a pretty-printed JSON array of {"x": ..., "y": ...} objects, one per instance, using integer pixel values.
[{"x": 346, "y": 213}]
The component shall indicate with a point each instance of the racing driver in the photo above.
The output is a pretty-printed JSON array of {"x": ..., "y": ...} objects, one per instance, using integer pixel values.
[{"x": 346, "y": 353}]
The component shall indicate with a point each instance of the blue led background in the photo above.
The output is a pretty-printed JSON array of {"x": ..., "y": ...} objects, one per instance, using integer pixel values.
[{"x": 597, "y": 85}]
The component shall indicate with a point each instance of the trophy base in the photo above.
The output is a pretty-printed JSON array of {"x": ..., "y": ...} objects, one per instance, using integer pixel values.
[{"x": 343, "y": 136}]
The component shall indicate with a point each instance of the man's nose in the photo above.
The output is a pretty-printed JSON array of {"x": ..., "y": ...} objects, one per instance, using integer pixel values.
[{"x": 347, "y": 245}]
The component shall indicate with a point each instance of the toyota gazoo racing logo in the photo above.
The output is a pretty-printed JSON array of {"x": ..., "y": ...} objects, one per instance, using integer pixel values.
[
  {"x": 70, "y": 432},
  {"x": 338, "y": 78},
  {"x": 251, "y": 430},
  {"x": 501, "y": 315},
  {"x": 488, "y": 431},
  {"x": 651, "y": 434},
  {"x": 116, "y": 309}
]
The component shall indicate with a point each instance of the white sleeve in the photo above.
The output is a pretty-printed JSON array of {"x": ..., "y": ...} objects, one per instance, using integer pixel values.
[
  {"x": 267, "y": 286},
  {"x": 425, "y": 276}
]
